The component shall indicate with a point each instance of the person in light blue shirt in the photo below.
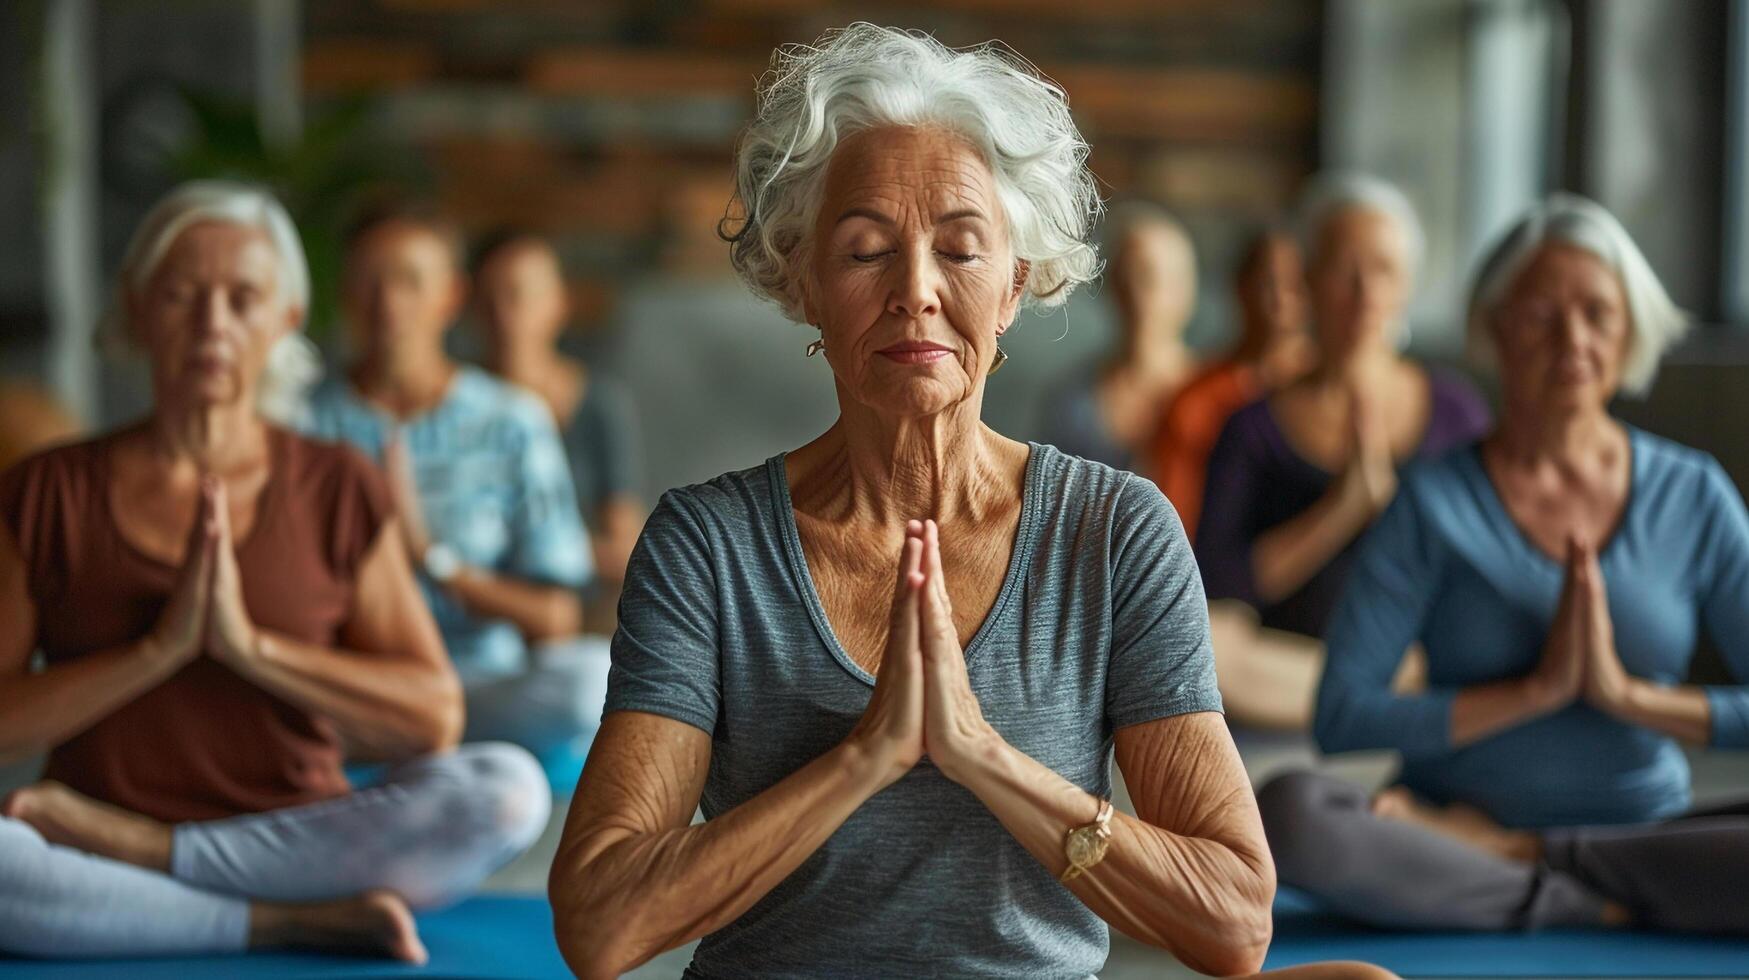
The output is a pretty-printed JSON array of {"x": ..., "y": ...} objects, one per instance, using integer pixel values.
[
  {"x": 1558, "y": 574},
  {"x": 481, "y": 482}
]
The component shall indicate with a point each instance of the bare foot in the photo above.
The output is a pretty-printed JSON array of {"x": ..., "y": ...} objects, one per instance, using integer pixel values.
[
  {"x": 1465, "y": 823},
  {"x": 69, "y": 818},
  {"x": 374, "y": 922}
]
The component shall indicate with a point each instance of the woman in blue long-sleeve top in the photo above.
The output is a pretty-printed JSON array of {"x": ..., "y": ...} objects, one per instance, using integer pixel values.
[{"x": 1558, "y": 574}]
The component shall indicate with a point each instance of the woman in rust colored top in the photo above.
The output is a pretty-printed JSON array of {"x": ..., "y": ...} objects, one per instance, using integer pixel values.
[
  {"x": 1272, "y": 350},
  {"x": 222, "y": 611}
]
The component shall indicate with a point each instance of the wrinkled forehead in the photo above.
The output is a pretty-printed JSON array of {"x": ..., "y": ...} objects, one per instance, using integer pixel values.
[{"x": 909, "y": 174}]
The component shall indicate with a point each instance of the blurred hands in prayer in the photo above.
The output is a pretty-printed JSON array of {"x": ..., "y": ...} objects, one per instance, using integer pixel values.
[
  {"x": 1580, "y": 660},
  {"x": 404, "y": 490},
  {"x": 181, "y": 628},
  {"x": 1370, "y": 478},
  {"x": 230, "y": 633},
  {"x": 1607, "y": 682}
]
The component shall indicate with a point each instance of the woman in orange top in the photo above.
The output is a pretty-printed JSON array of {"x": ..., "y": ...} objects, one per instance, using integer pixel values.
[{"x": 1271, "y": 288}]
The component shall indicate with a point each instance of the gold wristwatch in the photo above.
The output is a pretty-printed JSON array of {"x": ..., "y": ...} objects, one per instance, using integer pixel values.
[{"x": 1086, "y": 845}]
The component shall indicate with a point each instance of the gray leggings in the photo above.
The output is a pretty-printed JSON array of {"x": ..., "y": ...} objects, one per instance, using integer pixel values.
[
  {"x": 556, "y": 701},
  {"x": 1690, "y": 874},
  {"x": 431, "y": 831}
]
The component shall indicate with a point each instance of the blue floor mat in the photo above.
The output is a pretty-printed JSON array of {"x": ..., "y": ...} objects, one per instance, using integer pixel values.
[
  {"x": 1304, "y": 934},
  {"x": 512, "y": 938},
  {"x": 483, "y": 937}
]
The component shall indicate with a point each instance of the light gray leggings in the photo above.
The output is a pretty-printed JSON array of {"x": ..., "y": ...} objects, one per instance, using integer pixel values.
[
  {"x": 1690, "y": 874},
  {"x": 556, "y": 700},
  {"x": 431, "y": 831}
]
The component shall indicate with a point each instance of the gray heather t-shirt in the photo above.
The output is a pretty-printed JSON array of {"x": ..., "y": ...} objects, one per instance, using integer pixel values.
[{"x": 1100, "y": 623}]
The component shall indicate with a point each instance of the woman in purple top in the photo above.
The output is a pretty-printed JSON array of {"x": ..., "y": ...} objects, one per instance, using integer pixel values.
[{"x": 1295, "y": 478}]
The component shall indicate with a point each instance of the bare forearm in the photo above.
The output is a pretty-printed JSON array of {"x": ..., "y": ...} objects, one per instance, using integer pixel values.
[
  {"x": 540, "y": 612},
  {"x": 1202, "y": 899},
  {"x": 621, "y": 897},
  {"x": 1487, "y": 709},
  {"x": 1679, "y": 711},
  {"x": 614, "y": 533},
  {"x": 390, "y": 708},
  {"x": 40, "y": 711},
  {"x": 1285, "y": 557}
]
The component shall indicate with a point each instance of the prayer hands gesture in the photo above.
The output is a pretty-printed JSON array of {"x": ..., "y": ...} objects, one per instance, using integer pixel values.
[
  {"x": 404, "y": 489},
  {"x": 206, "y": 612},
  {"x": 1370, "y": 478},
  {"x": 230, "y": 633},
  {"x": 1580, "y": 660},
  {"x": 181, "y": 628},
  {"x": 923, "y": 701}
]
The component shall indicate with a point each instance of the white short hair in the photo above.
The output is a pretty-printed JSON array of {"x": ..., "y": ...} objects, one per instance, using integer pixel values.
[
  {"x": 294, "y": 364},
  {"x": 865, "y": 77},
  {"x": 1655, "y": 320},
  {"x": 1331, "y": 193}
]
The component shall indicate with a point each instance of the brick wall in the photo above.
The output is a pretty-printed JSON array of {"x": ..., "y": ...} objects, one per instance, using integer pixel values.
[{"x": 610, "y": 124}]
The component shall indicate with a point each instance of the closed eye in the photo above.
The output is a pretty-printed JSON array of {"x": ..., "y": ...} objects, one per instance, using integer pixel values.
[{"x": 870, "y": 257}]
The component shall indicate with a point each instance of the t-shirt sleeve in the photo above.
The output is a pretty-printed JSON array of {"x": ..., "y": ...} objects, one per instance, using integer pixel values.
[
  {"x": 1725, "y": 604},
  {"x": 1394, "y": 582},
  {"x": 548, "y": 543},
  {"x": 665, "y": 652},
  {"x": 358, "y": 504},
  {"x": 1161, "y": 661},
  {"x": 29, "y": 499},
  {"x": 1227, "y": 527}
]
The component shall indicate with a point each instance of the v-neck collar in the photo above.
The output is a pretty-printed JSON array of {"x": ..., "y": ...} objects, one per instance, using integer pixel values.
[
  {"x": 1025, "y": 535},
  {"x": 1489, "y": 495}
]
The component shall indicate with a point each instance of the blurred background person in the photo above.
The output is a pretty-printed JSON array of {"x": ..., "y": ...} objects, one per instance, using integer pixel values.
[
  {"x": 1295, "y": 478},
  {"x": 1107, "y": 411},
  {"x": 1272, "y": 351},
  {"x": 479, "y": 477},
  {"x": 1558, "y": 573},
  {"x": 519, "y": 293},
  {"x": 222, "y": 607}
]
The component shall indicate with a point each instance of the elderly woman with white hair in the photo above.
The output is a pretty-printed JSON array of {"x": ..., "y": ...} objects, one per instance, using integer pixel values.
[
  {"x": 1557, "y": 573},
  {"x": 891, "y": 665},
  {"x": 1295, "y": 478},
  {"x": 222, "y": 607}
]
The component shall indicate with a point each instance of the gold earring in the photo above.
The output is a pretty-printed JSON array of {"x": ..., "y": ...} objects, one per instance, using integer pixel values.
[
  {"x": 1001, "y": 359},
  {"x": 816, "y": 347}
]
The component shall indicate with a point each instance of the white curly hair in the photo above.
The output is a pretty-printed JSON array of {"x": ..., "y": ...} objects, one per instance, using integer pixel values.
[{"x": 865, "y": 77}]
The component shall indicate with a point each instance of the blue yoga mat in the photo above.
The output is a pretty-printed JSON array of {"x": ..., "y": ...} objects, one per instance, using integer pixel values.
[
  {"x": 1306, "y": 934},
  {"x": 513, "y": 938},
  {"x": 483, "y": 937}
]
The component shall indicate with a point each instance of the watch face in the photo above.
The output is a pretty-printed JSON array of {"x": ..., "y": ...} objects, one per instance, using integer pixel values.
[
  {"x": 1085, "y": 846},
  {"x": 441, "y": 562}
]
